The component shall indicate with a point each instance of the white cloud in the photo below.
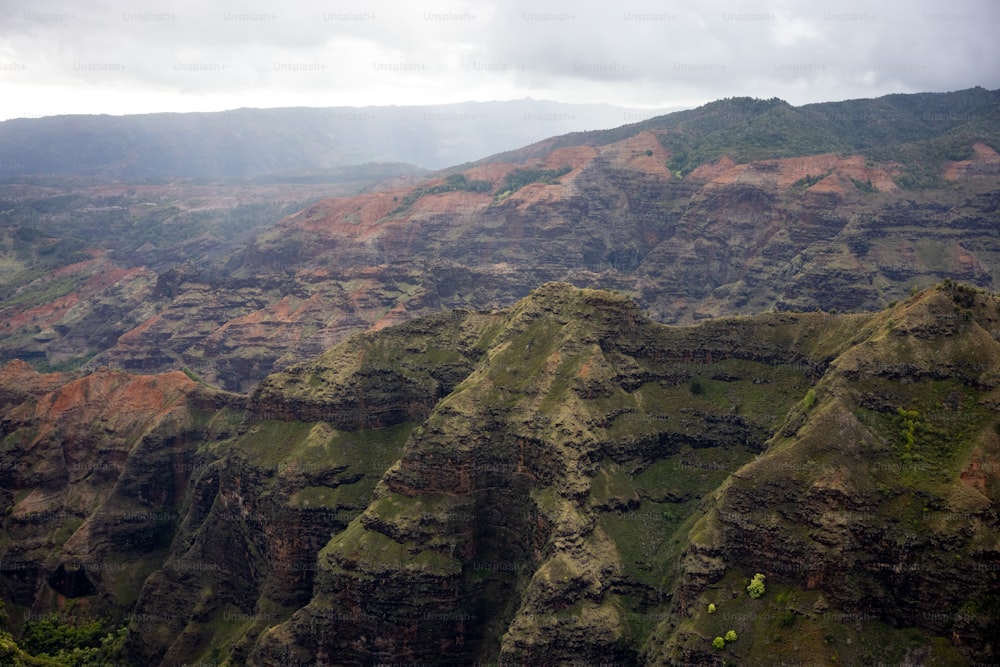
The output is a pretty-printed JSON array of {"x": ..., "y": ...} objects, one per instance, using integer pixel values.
[
  {"x": 791, "y": 30},
  {"x": 113, "y": 56}
]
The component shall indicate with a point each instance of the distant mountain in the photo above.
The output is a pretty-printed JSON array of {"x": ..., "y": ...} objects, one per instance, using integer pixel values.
[
  {"x": 255, "y": 142},
  {"x": 560, "y": 482},
  {"x": 918, "y": 131}
]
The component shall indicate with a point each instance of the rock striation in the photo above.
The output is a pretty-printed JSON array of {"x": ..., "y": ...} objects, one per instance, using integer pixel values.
[
  {"x": 560, "y": 481},
  {"x": 739, "y": 207}
]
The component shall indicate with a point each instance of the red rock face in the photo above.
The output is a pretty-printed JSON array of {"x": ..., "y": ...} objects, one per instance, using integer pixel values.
[
  {"x": 985, "y": 164},
  {"x": 18, "y": 381},
  {"x": 835, "y": 171},
  {"x": 100, "y": 462}
]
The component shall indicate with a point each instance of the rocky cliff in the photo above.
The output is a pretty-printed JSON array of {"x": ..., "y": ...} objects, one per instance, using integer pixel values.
[
  {"x": 95, "y": 470},
  {"x": 643, "y": 472},
  {"x": 559, "y": 482},
  {"x": 872, "y": 511}
]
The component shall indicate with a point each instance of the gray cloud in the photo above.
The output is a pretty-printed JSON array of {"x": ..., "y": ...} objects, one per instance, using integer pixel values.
[{"x": 57, "y": 56}]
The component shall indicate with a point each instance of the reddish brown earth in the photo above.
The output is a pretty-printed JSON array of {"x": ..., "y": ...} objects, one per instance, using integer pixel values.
[
  {"x": 985, "y": 164},
  {"x": 354, "y": 263}
]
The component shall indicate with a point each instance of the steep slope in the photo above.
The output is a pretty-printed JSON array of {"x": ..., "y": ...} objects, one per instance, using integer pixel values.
[
  {"x": 264, "y": 502},
  {"x": 516, "y": 498},
  {"x": 925, "y": 127},
  {"x": 93, "y": 471},
  {"x": 85, "y": 261},
  {"x": 563, "y": 480},
  {"x": 873, "y": 511},
  {"x": 593, "y": 462}
]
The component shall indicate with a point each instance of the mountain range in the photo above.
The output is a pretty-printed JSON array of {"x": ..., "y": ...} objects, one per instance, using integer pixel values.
[
  {"x": 254, "y": 143},
  {"x": 562, "y": 481},
  {"x": 716, "y": 387},
  {"x": 738, "y": 207}
]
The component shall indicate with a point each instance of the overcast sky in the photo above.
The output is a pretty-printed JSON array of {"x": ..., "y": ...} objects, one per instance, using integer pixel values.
[{"x": 112, "y": 56}]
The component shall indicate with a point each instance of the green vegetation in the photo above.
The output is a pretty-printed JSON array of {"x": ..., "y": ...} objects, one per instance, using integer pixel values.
[
  {"x": 756, "y": 586},
  {"x": 963, "y": 295},
  {"x": 767, "y": 631},
  {"x": 452, "y": 183},
  {"x": 192, "y": 375},
  {"x": 571, "y": 419},
  {"x": 865, "y": 186},
  {"x": 908, "y": 425},
  {"x": 306, "y": 447},
  {"x": 810, "y": 399},
  {"x": 62, "y": 640},
  {"x": 747, "y": 129},
  {"x": 51, "y": 643},
  {"x": 42, "y": 291},
  {"x": 518, "y": 178},
  {"x": 73, "y": 363},
  {"x": 808, "y": 181},
  {"x": 679, "y": 164},
  {"x": 720, "y": 642},
  {"x": 744, "y": 129}
]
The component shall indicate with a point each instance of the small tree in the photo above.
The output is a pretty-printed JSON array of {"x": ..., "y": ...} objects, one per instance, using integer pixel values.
[
  {"x": 756, "y": 587},
  {"x": 719, "y": 643},
  {"x": 711, "y": 608},
  {"x": 731, "y": 636}
]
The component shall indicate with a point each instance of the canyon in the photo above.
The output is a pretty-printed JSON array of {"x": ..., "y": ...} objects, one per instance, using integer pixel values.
[
  {"x": 561, "y": 480},
  {"x": 560, "y": 405}
]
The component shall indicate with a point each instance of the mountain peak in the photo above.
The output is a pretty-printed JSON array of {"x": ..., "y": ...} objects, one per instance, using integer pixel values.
[{"x": 567, "y": 299}]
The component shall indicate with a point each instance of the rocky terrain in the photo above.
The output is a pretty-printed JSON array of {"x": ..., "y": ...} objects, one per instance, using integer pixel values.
[
  {"x": 559, "y": 406},
  {"x": 563, "y": 481},
  {"x": 739, "y": 207}
]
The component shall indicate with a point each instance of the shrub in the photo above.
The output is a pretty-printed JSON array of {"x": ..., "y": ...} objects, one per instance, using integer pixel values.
[
  {"x": 518, "y": 178},
  {"x": 719, "y": 643},
  {"x": 696, "y": 387},
  {"x": 809, "y": 180},
  {"x": 731, "y": 636},
  {"x": 756, "y": 586},
  {"x": 194, "y": 377},
  {"x": 711, "y": 608},
  {"x": 864, "y": 186},
  {"x": 50, "y": 637},
  {"x": 810, "y": 399}
]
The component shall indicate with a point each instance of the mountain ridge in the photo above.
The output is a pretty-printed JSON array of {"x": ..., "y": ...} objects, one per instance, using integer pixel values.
[
  {"x": 347, "y": 510},
  {"x": 256, "y": 143},
  {"x": 685, "y": 220}
]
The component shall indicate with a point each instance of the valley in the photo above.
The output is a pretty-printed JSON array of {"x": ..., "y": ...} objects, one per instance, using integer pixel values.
[
  {"x": 690, "y": 219},
  {"x": 715, "y": 387}
]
